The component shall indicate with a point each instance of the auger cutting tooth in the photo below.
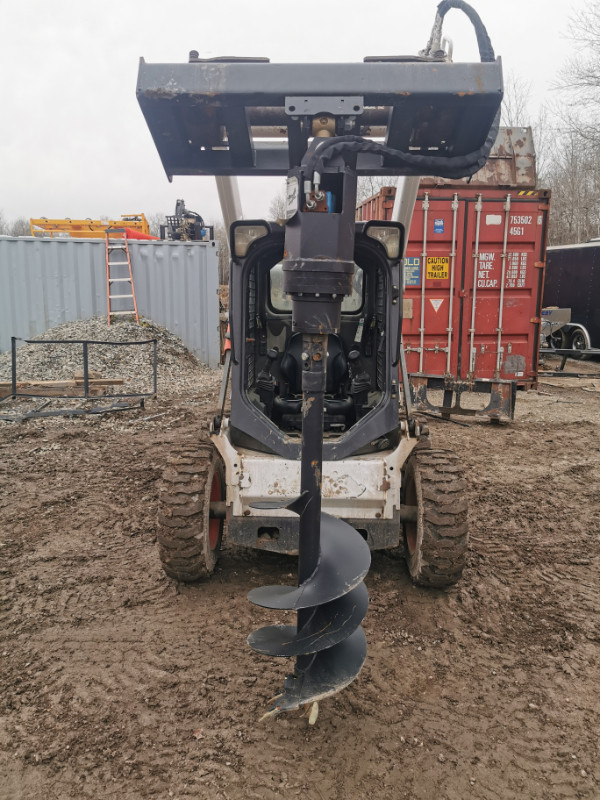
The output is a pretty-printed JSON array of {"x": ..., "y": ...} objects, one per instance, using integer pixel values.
[
  {"x": 271, "y": 713},
  {"x": 329, "y": 672}
]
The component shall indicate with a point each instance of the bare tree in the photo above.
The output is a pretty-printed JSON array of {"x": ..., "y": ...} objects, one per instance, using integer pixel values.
[
  {"x": 155, "y": 220},
  {"x": 20, "y": 227},
  {"x": 368, "y": 185},
  {"x": 545, "y": 136},
  {"x": 515, "y": 110},
  {"x": 3, "y": 224},
  {"x": 223, "y": 247},
  {"x": 580, "y": 78},
  {"x": 573, "y": 174},
  {"x": 278, "y": 206},
  {"x": 570, "y": 147}
]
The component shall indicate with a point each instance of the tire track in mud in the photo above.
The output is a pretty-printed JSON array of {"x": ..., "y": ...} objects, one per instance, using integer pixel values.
[
  {"x": 530, "y": 596},
  {"x": 123, "y": 684}
]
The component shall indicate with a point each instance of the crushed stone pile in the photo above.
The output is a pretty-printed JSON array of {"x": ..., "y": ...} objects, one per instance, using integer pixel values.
[{"x": 178, "y": 370}]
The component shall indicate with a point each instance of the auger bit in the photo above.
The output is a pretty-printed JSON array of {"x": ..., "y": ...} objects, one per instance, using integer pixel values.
[{"x": 330, "y": 599}]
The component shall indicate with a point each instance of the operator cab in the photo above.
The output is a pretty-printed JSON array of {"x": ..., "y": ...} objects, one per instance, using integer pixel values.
[
  {"x": 281, "y": 397},
  {"x": 361, "y": 357}
]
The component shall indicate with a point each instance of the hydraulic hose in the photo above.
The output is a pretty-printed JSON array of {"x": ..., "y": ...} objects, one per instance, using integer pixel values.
[
  {"x": 486, "y": 51},
  {"x": 412, "y": 163}
]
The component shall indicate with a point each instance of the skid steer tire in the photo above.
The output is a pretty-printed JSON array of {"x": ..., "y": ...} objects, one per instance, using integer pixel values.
[
  {"x": 189, "y": 539},
  {"x": 436, "y": 543}
]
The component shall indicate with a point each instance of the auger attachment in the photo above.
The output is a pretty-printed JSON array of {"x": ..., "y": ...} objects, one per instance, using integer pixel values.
[
  {"x": 328, "y": 643},
  {"x": 330, "y": 599}
]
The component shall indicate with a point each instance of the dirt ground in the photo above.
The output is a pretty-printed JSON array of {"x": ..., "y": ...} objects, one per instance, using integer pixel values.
[{"x": 117, "y": 682}]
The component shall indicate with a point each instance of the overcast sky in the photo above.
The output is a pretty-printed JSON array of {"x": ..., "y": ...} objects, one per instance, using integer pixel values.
[{"x": 74, "y": 143}]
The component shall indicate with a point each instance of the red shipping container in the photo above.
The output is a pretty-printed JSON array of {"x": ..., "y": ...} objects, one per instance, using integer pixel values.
[{"x": 474, "y": 278}]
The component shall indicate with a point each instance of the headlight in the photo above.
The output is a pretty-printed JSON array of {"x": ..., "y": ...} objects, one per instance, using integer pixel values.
[
  {"x": 390, "y": 236},
  {"x": 244, "y": 234}
]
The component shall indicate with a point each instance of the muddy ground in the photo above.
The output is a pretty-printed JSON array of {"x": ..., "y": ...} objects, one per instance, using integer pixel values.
[{"x": 117, "y": 682}]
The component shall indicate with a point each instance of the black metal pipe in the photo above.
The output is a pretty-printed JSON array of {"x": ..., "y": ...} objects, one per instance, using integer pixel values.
[
  {"x": 86, "y": 381},
  {"x": 155, "y": 366},
  {"x": 149, "y": 395},
  {"x": 91, "y": 341},
  {"x": 84, "y": 342},
  {"x": 13, "y": 365}
]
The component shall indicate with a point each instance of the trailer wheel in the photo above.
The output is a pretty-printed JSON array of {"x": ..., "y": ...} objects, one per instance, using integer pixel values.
[
  {"x": 558, "y": 340},
  {"x": 579, "y": 340},
  {"x": 436, "y": 543},
  {"x": 189, "y": 537}
]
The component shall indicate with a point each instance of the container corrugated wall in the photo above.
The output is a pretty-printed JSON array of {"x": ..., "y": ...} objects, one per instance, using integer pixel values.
[
  {"x": 45, "y": 282},
  {"x": 460, "y": 317},
  {"x": 474, "y": 273}
]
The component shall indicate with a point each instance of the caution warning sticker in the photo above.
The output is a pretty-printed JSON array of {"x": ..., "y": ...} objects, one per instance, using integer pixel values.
[{"x": 438, "y": 267}]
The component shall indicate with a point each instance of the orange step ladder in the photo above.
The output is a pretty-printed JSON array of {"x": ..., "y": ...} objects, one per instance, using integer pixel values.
[{"x": 118, "y": 271}]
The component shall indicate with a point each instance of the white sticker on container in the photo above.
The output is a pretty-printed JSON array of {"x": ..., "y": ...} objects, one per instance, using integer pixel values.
[
  {"x": 436, "y": 304},
  {"x": 493, "y": 219}
]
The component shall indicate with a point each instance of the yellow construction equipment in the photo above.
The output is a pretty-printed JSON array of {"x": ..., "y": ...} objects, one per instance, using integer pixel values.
[{"x": 87, "y": 228}]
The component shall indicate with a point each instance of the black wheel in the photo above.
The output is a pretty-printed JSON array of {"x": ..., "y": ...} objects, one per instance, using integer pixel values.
[
  {"x": 189, "y": 538},
  {"x": 579, "y": 340},
  {"x": 436, "y": 542},
  {"x": 558, "y": 340}
]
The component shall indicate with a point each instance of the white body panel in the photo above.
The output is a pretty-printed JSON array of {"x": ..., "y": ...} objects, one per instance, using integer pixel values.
[{"x": 361, "y": 487}]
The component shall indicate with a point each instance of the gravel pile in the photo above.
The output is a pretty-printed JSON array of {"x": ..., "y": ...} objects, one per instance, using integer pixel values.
[{"x": 178, "y": 369}]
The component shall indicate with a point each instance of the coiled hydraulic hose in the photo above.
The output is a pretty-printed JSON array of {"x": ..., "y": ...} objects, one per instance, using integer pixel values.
[{"x": 412, "y": 163}]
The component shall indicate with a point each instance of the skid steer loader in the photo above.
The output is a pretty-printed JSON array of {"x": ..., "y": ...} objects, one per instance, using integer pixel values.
[{"x": 320, "y": 454}]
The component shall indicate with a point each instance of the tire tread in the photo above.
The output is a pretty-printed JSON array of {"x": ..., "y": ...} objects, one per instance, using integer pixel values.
[{"x": 443, "y": 511}]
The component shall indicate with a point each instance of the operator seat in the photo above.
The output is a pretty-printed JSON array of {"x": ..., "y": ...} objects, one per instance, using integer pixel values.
[{"x": 337, "y": 402}]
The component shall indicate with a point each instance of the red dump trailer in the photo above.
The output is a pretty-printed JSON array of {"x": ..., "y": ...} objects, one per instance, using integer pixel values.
[{"x": 474, "y": 278}]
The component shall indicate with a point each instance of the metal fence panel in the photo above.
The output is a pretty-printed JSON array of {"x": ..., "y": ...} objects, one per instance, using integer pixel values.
[{"x": 45, "y": 282}]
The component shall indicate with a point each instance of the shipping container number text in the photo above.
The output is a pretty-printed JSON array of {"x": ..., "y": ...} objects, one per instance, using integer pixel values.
[{"x": 517, "y": 222}]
